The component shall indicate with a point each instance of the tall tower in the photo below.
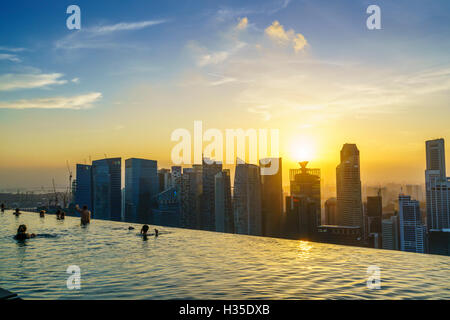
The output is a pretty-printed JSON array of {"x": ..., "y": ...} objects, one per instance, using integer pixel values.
[
  {"x": 83, "y": 189},
  {"x": 141, "y": 186},
  {"x": 412, "y": 232},
  {"x": 107, "y": 184},
  {"x": 210, "y": 169},
  {"x": 272, "y": 199},
  {"x": 348, "y": 185},
  {"x": 224, "y": 219},
  {"x": 247, "y": 200},
  {"x": 437, "y": 186}
]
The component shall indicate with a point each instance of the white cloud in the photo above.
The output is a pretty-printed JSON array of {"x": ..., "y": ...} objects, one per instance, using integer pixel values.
[
  {"x": 75, "y": 103},
  {"x": 11, "y": 49},
  {"x": 12, "y": 81},
  {"x": 242, "y": 24},
  {"x": 75, "y": 80},
  {"x": 10, "y": 57},
  {"x": 124, "y": 26},
  {"x": 277, "y": 33},
  {"x": 99, "y": 37}
]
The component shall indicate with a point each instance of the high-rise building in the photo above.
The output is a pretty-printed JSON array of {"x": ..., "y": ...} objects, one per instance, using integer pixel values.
[
  {"x": 191, "y": 196},
  {"x": 224, "y": 219},
  {"x": 412, "y": 231},
  {"x": 348, "y": 187},
  {"x": 83, "y": 192},
  {"x": 164, "y": 178},
  {"x": 389, "y": 231},
  {"x": 331, "y": 212},
  {"x": 209, "y": 171},
  {"x": 176, "y": 177},
  {"x": 272, "y": 198},
  {"x": 437, "y": 186},
  {"x": 301, "y": 218},
  {"x": 247, "y": 200},
  {"x": 374, "y": 214},
  {"x": 305, "y": 182},
  {"x": 107, "y": 180},
  {"x": 141, "y": 188},
  {"x": 439, "y": 242}
]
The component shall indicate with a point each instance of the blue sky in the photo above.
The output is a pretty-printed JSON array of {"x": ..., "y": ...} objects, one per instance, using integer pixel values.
[{"x": 149, "y": 67}]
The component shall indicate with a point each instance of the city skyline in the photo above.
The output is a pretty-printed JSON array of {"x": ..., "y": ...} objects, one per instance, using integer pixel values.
[{"x": 123, "y": 83}]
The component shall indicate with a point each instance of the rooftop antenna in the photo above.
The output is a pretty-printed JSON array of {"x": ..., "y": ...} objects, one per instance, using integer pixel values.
[
  {"x": 70, "y": 176},
  {"x": 303, "y": 165},
  {"x": 90, "y": 159}
]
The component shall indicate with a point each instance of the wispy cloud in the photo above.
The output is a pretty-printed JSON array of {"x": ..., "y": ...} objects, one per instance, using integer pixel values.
[
  {"x": 11, "y": 49},
  {"x": 75, "y": 102},
  {"x": 10, "y": 81},
  {"x": 9, "y": 57},
  {"x": 100, "y": 36},
  {"x": 242, "y": 24}
]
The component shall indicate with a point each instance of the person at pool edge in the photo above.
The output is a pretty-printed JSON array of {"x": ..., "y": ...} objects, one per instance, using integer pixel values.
[
  {"x": 3, "y": 207},
  {"x": 85, "y": 214},
  {"x": 22, "y": 233},
  {"x": 42, "y": 214},
  {"x": 17, "y": 212}
]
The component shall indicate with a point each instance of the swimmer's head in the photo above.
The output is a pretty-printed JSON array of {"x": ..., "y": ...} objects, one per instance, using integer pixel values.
[
  {"x": 145, "y": 228},
  {"x": 22, "y": 228},
  {"x": 84, "y": 207}
]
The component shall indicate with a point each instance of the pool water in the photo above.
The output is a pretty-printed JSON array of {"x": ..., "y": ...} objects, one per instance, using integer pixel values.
[{"x": 116, "y": 263}]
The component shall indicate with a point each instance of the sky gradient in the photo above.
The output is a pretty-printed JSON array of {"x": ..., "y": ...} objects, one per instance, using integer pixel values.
[{"x": 138, "y": 70}]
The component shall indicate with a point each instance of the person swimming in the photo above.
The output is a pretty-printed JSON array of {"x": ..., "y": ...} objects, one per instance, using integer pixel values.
[
  {"x": 144, "y": 231},
  {"x": 62, "y": 215},
  {"x": 42, "y": 214},
  {"x": 58, "y": 214},
  {"x": 85, "y": 214},
  {"x": 22, "y": 233},
  {"x": 17, "y": 212},
  {"x": 2, "y": 207},
  {"x": 156, "y": 233}
]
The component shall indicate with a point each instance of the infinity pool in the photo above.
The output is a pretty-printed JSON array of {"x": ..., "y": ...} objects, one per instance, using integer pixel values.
[{"x": 116, "y": 263}]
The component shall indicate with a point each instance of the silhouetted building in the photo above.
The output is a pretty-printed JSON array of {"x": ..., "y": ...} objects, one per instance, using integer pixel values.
[
  {"x": 164, "y": 179},
  {"x": 176, "y": 177},
  {"x": 343, "y": 235},
  {"x": 389, "y": 231},
  {"x": 301, "y": 218},
  {"x": 107, "y": 180},
  {"x": 83, "y": 192},
  {"x": 272, "y": 198},
  {"x": 348, "y": 187},
  {"x": 224, "y": 218},
  {"x": 191, "y": 196},
  {"x": 331, "y": 217},
  {"x": 374, "y": 215},
  {"x": 439, "y": 242},
  {"x": 207, "y": 218},
  {"x": 141, "y": 188},
  {"x": 168, "y": 211},
  {"x": 412, "y": 231},
  {"x": 247, "y": 200},
  {"x": 437, "y": 186}
]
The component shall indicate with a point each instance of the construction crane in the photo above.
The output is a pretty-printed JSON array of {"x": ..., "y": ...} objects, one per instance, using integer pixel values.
[
  {"x": 54, "y": 191},
  {"x": 70, "y": 177}
]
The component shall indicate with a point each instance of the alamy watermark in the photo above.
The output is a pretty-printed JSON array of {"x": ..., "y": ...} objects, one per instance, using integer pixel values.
[
  {"x": 74, "y": 280},
  {"x": 235, "y": 141}
]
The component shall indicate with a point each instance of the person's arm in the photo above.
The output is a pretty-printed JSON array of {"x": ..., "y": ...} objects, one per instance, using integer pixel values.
[{"x": 78, "y": 209}]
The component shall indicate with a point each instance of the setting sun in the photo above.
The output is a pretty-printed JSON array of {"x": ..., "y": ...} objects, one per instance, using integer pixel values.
[{"x": 303, "y": 149}]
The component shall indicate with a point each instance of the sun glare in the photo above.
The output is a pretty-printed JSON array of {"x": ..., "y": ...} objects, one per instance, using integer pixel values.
[{"x": 303, "y": 149}]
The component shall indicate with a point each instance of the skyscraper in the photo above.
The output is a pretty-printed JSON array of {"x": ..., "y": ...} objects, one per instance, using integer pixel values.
[
  {"x": 107, "y": 199},
  {"x": 272, "y": 199},
  {"x": 224, "y": 219},
  {"x": 301, "y": 218},
  {"x": 374, "y": 214},
  {"x": 247, "y": 200},
  {"x": 164, "y": 179},
  {"x": 305, "y": 182},
  {"x": 348, "y": 187},
  {"x": 389, "y": 231},
  {"x": 83, "y": 191},
  {"x": 437, "y": 186},
  {"x": 141, "y": 188},
  {"x": 191, "y": 196},
  {"x": 331, "y": 212},
  {"x": 207, "y": 218},
  {"x": 412, "y": 231}
]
